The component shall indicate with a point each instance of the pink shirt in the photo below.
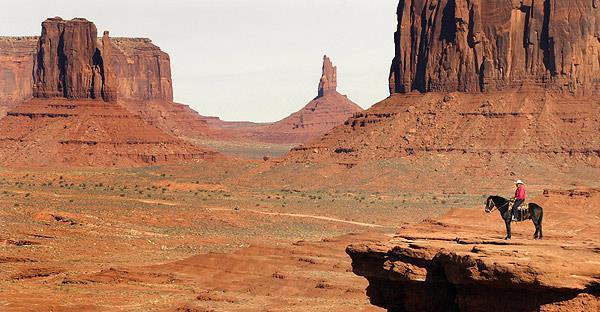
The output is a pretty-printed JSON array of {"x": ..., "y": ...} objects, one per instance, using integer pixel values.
[{"x": 520, "y": 192}]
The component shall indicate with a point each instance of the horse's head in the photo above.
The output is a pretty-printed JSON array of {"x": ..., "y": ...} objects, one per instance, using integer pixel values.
[{"x": 490, "y": 205}]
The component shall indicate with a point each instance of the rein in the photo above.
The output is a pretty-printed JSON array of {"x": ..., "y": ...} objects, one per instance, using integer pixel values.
[{"x": 495, "y": 207}]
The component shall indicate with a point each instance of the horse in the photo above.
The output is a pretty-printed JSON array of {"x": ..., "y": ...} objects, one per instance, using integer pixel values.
[{"x": 534, "y": 212}]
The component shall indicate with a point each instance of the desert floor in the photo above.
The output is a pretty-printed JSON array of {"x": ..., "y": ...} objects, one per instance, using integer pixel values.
[{"x": 194, "y": 238}]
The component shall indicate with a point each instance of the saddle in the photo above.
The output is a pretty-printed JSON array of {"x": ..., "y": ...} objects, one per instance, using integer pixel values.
[{"x": 523, "y": 212}]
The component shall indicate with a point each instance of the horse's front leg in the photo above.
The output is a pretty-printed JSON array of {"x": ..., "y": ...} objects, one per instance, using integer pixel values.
[{"x": 508, "y": 231}]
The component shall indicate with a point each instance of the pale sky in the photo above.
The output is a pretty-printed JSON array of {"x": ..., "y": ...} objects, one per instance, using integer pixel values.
[{"x": 257, "y": 60}]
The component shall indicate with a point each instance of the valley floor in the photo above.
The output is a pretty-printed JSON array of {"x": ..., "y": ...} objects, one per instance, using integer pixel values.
[{"x": 197, "y": 237}]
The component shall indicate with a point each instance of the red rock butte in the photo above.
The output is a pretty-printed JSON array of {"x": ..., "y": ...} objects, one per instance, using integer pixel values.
[
  {"x": 326, "y": 111},
  {"x": 90, "y": 101}
]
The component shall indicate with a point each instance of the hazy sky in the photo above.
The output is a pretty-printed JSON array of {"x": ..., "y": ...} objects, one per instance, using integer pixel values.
[{"x": 254, "y": 60}]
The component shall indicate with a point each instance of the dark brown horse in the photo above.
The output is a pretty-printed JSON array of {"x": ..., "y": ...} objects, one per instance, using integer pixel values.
[{"x": 534, "y": 212}]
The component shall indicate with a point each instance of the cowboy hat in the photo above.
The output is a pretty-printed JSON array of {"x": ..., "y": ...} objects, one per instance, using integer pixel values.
[{"x": 519, "y": 182}]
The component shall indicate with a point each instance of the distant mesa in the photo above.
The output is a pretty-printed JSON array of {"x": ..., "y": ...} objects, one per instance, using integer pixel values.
[
  {"x": 131, "y": 71},
  {"x": 80, "y": 100},
  {"x": 326, "y": 111}
]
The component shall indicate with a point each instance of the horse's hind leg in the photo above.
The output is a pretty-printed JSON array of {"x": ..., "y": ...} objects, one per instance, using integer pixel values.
[{"x": 537, "y": 230}]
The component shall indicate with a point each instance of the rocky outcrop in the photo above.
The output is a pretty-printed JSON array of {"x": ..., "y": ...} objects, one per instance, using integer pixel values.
[
  {"x": 130, "y": 69},
  {"x": 452, "y": 265},
  {"x": 487, "y": 45},
  {"x": 90, "y": 101},
  {"x": 104, "y": 72}
]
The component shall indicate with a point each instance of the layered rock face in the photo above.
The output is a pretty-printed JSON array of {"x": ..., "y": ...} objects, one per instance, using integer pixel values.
[
  {"x": 16, "y": 65},
  {"x": 73, "y": 63},
  {"x": 85, "y": 132},
  {"x": 486, "y": 45},
  {"x": 452, "y": 265},
  {"x": 535, "y": 124},
  {"x": 143, "y": 71},
  {"x": 69, "y": 63}
]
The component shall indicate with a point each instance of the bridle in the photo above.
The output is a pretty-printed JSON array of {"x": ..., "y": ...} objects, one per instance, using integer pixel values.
[{"x": 491, "y": 209}]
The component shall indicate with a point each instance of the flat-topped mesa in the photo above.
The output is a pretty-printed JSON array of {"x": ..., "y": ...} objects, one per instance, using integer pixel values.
[
  {"x": 487, "y": 45},
  {"x": 69, "y": 63},
  {"x": 328, "y": 83}
]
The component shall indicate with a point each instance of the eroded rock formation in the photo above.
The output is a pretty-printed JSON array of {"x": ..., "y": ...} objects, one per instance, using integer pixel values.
[
  {"x": 328, "y": 82},
  {"x": 327, "y": 110},
  {"x": 69, "y": 63},
  {"x": 486, "y": 45},
  {"x": 130, "y": 69},
  {"x": 143, "y": 71},
  {"x": 104, "y": 71},
  {"x": 530, "y": 123},
  {"x": 89, "y": 101}
]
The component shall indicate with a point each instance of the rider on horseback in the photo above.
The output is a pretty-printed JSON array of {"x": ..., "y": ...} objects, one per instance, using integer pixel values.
[{"x": 519, "y": 199}]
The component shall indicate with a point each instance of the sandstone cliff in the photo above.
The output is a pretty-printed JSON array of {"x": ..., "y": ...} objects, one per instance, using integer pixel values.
[
  {"x": 526, "y": 114},
  {"x": 328, "y": 82},
  {"x": 16, "y": 66},
  {"x": 486, "y": 45},
  {"x": 536, "y": 124},
  {"x": 69, "y": 63},
  {"x": 143, "y": 71}
]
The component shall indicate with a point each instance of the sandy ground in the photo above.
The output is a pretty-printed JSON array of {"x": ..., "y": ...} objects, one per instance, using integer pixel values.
[{"x": 67, "y": 244}]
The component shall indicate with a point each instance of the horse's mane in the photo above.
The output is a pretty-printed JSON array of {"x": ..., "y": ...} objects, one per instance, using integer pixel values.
[{"x": 498, "y": 198}]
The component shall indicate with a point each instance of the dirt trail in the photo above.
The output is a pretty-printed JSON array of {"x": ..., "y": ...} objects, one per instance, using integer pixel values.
[
  {"x": 299, "y": 215},
  {"x": 170, "y": 203}
]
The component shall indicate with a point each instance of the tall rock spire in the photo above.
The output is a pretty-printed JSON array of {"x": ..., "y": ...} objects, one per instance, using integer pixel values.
[
  {"x": 109, "y": 79},
  {"x": 328, "y": 83}
]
